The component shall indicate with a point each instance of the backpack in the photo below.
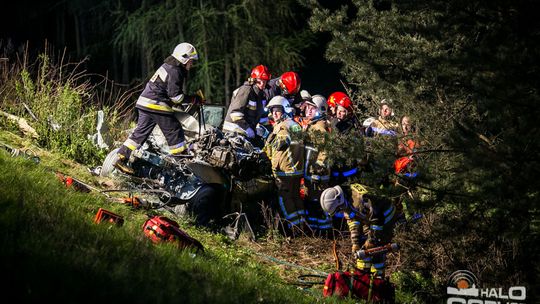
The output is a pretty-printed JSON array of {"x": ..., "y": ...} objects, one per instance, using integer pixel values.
[
  {"x": 358, "y": 285},
  {"x": 162, "y": 229}
]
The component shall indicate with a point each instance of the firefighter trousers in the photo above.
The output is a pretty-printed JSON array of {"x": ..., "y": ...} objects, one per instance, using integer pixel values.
[
  {"x": 290, "y": 203},
  {"x": 169, "y": 125}
]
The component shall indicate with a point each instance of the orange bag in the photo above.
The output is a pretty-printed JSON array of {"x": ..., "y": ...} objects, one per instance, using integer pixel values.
[{"x": 163, "y": 229}]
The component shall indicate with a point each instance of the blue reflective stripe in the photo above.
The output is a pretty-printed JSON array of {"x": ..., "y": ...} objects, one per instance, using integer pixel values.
[
  {"x": 414, "y": 174},
  {"x": 325, "y": 226},
  {"x": 280, "y": 200},
  {"x": 292, "y": 215},
  {"x": 339, "y": 214},
  {"x": 378, "y": 265},
  {"x": 389, "y": 218},
  {"x": 390, "y": 209},
  {"x": 350, "y": 172},
  {"x": 345, "y": 173},
  {"x": 367, "y": 259},
  {"x": 376, "y": 227},
  {"x": 352, "y": 214}
]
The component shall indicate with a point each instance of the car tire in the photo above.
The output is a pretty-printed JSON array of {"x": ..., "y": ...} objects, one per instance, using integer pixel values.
[
  {"x": 205, "y": 205},
  {"x": 108, "y": 164}
]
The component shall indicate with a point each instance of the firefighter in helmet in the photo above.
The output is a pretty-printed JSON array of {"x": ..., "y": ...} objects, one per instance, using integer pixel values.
[
  {"x": 248, "y": 106},
  {"x": 288, "y": 86},
  {"x": 371, "y": 219},
  {"x": 155, "y": 105},
  {"x": 317, "y": 173},
  {"x": 286, "y": 151},
  {"x": 344, "y": 123}
]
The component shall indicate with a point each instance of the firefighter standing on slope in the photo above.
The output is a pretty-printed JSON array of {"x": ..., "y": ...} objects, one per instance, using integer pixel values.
[
  {"x": 317, "y": 173},
  {"x": 286, "y": 151},
  {"x": 248, "y": 106},
  {"x": 155, "y": 105},
  {"x": 371, "y": 219}
]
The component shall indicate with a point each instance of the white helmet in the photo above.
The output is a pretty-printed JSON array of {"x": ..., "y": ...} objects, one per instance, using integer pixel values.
[
  {"x": 305, "y": 95},
  {"x": 184, "y": 52},
  {"x": 319, "y": 102},
  {"x": 280, "y": 101},
  {"x": 332, "y": 199}
]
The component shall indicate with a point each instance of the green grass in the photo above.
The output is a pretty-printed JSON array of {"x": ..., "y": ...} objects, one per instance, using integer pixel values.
[{"x": 52, "y": 250}]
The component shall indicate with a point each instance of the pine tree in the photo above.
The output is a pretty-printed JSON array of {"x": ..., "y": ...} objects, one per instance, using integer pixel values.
[
  {"x": 232, "y": 37},
  {"x": 468, "y": 72}
]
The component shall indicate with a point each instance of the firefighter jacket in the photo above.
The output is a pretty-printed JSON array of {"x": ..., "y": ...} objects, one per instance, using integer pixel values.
[
  {"x": 164, "y": 89},
  {"x": 383, "y": 126},
  {"x": 285, "y": 149},
  {"x": 317, "y": 166},
  {"x": 369, "y": 215},
  {"x": 246, "y": 109}
]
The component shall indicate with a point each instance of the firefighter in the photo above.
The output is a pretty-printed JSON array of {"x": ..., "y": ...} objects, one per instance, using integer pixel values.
[
  {"x": 248, "y": 106},
  {"x": 344, "y": 123},
  {"x": 371, "y": 219},
  {"x": 155, "y": 105},
  {"x": 383, "y": 125},
  {"x": 286, "y": 151},
  {"x": 317, "y": 171},
  {"x": 288, "y": 86}
]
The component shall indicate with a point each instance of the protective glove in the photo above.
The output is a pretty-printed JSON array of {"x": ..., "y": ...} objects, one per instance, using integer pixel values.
[
  {"x": 262, "y": 131},
  {"x": 355, "y": 248},
  {"x": 250, "y": 133}
]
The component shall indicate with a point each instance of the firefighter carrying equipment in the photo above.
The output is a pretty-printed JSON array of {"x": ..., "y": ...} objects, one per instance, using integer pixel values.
[{"x": 163, "y": 229}]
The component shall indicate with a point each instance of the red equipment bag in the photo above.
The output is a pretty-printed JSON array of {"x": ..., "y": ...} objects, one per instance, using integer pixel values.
[
  {"x": 358, "y": 285},
  {"x": 163, "y": 229}
]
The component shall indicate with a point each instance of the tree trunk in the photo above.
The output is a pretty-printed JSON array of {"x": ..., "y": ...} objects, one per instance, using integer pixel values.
[{"x": 227, "y": 63}]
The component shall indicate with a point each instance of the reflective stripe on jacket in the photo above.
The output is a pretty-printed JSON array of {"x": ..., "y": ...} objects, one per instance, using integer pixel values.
[
  {"x": 246, "y": 108},
  {"x": 164, "y": 89}
]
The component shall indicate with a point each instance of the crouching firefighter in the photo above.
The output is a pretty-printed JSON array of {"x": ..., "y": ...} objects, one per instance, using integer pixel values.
[
  {"x": 370, "y": 218},
  {"x": 286, "y": 151},
  {"x": 155, "y": 105}
]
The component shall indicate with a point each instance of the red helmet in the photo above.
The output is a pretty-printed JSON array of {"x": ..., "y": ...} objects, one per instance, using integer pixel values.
[
  {"x": 260, "y": 72},
  {"x": 290, "y": 83},
  {"x": 340, "y": 99}
]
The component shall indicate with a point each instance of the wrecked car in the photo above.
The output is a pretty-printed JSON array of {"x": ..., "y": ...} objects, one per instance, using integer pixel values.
[{"x": 224, "y": 174}]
